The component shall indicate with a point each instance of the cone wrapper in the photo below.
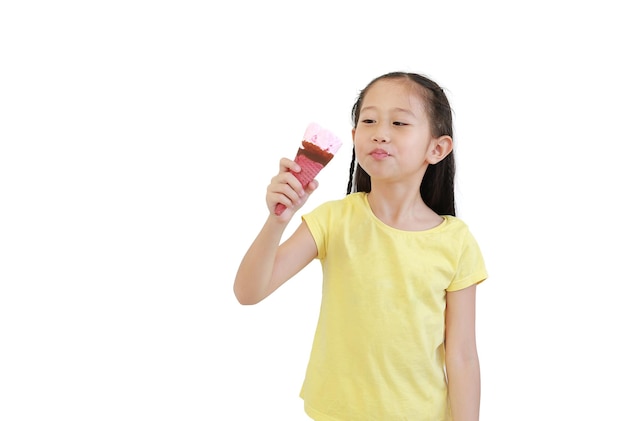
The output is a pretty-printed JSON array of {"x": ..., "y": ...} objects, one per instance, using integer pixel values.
[{"x": 311, "y": 158}]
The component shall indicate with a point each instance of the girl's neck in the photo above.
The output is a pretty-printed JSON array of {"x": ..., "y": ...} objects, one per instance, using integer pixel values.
[{"x": 402, "y": 208}]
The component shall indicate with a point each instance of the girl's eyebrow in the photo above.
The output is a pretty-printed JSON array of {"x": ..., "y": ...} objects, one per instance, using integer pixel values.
[{"x": 395, "y": 109}]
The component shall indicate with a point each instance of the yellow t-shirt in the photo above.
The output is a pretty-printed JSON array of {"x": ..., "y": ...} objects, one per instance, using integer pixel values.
[{"x": 378, "y": 350}]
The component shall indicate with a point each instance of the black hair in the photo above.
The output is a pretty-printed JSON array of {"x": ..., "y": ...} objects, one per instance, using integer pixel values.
[{"x": 437, "y": 188}]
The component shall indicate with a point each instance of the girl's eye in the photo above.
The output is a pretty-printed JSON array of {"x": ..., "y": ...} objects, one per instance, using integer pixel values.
[
  {"x": 367, "y": 121},
  {"x": 399, "y": 123}
]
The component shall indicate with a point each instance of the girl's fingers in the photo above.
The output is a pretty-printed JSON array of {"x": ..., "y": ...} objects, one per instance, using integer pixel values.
[
  {"x": 283, "y": 193},
  {"x": 289, "y": 165},
  {"x": 311, "y": 186},
  {"x": 285, "y": 176},
  {"x": 286, "y": 189}
]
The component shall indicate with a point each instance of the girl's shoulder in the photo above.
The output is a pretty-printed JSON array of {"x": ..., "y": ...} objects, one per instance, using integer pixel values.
[
  {"x": 342, "y": 207},
  {"x": 352, "y": 200},
  {"x": 454, "y": 225}
]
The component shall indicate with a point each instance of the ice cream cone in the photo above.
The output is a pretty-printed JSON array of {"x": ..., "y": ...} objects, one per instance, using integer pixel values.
[{"x": 318, "y": 148}]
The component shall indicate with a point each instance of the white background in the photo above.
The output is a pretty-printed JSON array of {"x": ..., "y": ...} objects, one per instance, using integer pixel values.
[{"x": 137, "y": 140}]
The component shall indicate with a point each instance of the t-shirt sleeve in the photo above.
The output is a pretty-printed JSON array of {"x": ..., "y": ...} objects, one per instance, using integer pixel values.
[
  {"x": 314, "y": 220},
  {"x": 471, "y": 265}
]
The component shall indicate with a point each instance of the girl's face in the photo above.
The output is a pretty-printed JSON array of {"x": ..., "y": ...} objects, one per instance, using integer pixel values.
[{"x": 392, "y": 139}]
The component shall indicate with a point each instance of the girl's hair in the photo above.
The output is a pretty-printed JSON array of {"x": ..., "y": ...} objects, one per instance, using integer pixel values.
[{"x": 437, "y": 188}]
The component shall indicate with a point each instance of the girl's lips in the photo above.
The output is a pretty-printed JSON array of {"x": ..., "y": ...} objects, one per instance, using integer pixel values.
[{"x": 379, "y": 154}]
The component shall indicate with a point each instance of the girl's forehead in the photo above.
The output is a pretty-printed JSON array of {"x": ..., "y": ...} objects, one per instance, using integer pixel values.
[{"x": 396, "y": 91}]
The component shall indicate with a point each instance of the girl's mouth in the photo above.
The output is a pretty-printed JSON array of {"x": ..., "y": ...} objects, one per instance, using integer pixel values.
[{"x": 379, "y": 154}]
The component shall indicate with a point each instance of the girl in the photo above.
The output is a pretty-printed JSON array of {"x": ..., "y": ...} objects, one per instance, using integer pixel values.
[{"x": 395, "y": 338}]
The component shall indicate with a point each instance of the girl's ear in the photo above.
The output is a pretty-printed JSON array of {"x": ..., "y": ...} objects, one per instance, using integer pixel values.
[
  {"x": 440, "y": 148},
  {"x": 353, "y": 131}
]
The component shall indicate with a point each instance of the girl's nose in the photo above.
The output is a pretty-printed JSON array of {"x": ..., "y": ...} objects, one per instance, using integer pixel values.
[{"x": 381, "y": 135}]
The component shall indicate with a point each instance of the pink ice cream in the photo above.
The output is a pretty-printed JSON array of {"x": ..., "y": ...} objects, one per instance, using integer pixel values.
[{"x": 318, "y": 148}]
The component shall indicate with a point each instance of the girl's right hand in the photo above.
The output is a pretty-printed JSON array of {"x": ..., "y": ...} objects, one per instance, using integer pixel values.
[{"x": 286, "y": 189}]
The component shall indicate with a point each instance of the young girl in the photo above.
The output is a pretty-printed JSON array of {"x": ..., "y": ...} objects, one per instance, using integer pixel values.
[{"x": 395, "y": 338}]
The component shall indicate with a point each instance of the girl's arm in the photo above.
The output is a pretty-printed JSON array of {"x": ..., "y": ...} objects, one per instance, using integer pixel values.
[
  {"x": 268, "y": 264},
  {"x": 462, "y": 366}
]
